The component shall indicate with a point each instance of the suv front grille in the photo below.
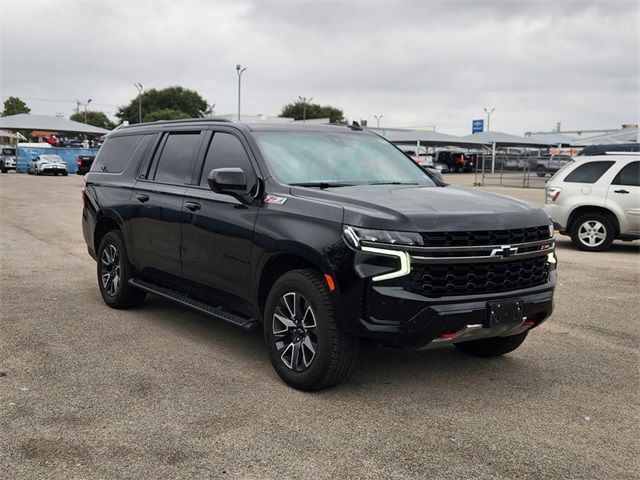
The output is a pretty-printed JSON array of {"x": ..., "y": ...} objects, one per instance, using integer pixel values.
[
  {"x": 489, "y": 237},
  {"x": 436, "y": 280}
]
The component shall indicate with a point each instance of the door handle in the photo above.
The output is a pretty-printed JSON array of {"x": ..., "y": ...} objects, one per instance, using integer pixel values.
[
  {"x": 193, "y": 206},
  {"x": 620, "y": 191},
  {"x": 142, "y": 197}
]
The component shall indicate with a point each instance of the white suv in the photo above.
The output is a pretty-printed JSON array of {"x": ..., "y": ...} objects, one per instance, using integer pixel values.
[{"x": 596, "y": 200}]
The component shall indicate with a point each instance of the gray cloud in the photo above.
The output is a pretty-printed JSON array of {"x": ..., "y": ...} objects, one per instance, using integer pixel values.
[{"x": 417, "y": 63}]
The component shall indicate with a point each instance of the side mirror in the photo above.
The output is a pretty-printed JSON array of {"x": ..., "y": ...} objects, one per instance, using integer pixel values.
[{"x": 231, "y": 181}]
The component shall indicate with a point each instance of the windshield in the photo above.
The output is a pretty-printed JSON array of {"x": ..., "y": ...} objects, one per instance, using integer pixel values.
[
  {"x": 8, "y": 151},
  {"x": 337, "y": 159}
]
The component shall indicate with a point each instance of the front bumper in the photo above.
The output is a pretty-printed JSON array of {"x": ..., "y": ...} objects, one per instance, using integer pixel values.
[
  {"x": 400, "y": 318},
  {"x": 53, "y": 170}
]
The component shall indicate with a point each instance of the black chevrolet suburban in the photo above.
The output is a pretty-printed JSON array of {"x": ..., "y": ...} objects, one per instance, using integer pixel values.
[{"x": 322, "y": 235}]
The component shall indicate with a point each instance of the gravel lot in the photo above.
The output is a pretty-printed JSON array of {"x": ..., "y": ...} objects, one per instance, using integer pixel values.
[{"x": 163, "y": 392}]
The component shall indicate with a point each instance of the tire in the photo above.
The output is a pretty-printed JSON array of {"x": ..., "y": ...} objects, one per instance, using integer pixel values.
[
  {"x": 112, "y": 260},
  {"x": 325, "y": 353},
  {"x": 592, "y": 232},
  {"x": 541, "y": 171},
  {"x": 492, "y": 347},
  {"x": 64, "y": 174}
]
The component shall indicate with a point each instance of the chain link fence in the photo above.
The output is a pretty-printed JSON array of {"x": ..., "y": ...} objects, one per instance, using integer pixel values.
[{"x": 514, "y": 170}]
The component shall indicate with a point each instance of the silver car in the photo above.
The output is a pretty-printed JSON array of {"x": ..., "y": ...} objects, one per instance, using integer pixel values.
[
  {"x": 7, "y": 159},
  {"x": 43, "y": 164},
  {"x": 596, "y": 200}
]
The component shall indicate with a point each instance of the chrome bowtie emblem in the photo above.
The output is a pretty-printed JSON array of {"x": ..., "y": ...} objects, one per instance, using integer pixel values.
[{"x": 504, "y": 251}]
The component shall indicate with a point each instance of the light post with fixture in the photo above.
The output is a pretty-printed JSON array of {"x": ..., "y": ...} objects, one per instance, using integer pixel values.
[
  {"x": 489, "y": 112},
  {"x": 240, "y": 71},
  {"x": 139, "y": 87},
  {"x": 377, "y": 117}
]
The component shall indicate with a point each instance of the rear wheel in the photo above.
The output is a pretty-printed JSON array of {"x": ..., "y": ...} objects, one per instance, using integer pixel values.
[
  {"x": 307, "y": 347},
  {"x": 592, "y": 232},
  {"x": 492, "y": 347},
  {"x": 114, "y": 273}
]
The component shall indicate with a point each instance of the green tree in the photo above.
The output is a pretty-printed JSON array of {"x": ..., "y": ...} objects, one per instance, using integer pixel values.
[
  {"x": 14, "y": 106},
  {"x": 97, "y": 119},
  {"x": 165, "y": 114},
  {"x": 171, "y": 98},
  {"x": 298, "y": 110}
]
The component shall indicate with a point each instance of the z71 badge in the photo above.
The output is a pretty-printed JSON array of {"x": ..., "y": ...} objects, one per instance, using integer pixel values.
[{"x": 275, "y": 200}]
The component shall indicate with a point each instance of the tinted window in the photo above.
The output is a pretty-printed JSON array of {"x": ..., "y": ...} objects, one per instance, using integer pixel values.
[
  {"x": 629, "y": 175},
  {"x": 8, "y": 151},
  {"x": 588, "y": 172},
  {"x": 175, "y": 164},
  {"x": 115, "y": 154},
  {"x": 226, "y": 150}
]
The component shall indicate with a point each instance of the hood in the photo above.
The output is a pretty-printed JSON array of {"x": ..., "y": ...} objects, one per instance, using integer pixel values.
[{"x": 410, "y": 208}]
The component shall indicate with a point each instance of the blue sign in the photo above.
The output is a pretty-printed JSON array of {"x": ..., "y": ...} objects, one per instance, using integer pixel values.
[{"x": 477, "y": 126}]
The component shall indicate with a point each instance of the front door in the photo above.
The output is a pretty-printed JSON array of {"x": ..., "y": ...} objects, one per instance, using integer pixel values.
[{"x": 217, "y": 229}]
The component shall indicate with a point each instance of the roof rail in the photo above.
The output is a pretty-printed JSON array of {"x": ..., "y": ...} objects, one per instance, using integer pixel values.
[{"x": 182, "y": 120}]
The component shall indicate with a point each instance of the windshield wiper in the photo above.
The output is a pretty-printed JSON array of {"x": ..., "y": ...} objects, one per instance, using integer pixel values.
[{"x": 321, "y": 185}]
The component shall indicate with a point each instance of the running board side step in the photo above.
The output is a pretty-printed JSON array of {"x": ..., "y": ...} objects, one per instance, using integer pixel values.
[{"x": 246, "y": 324}]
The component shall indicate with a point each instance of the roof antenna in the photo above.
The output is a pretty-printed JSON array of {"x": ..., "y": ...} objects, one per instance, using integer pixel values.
[{"x": 355, "y": 126}]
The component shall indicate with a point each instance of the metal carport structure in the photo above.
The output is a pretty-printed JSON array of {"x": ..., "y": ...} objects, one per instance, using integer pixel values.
[{"x": 26, "y": 121}]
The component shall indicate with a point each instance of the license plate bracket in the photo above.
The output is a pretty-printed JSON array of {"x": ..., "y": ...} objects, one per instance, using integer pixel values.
[{"x": 505, "y": 313}]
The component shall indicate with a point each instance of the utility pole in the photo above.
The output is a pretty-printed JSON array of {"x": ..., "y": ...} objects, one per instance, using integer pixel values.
[
  {"x": 82, "y": 104},
  {"x": 377, "y": 117},
  {"x": 139, "y": 87},
  {"x": 240, "y": 71},
  {"x": 489, "y": 112},
  {"x": 304, "y": 101}
]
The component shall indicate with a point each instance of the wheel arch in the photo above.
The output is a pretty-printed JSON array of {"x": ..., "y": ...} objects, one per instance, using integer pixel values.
[
  {"x": 585, "y": 209},
  {"x": 105, "y": 223},
  {"x": 279, "y": 263}
]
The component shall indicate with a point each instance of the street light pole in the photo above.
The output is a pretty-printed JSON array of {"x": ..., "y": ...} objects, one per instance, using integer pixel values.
[
  {"x": 139, "y": 87},
  {"x": 489, "y": 112},
  {"x": 377, "y": 117},
  {"x": 304, "y": 101},
  {"x": 240, "y": 71},
  {"x": 85, "y": 110}
]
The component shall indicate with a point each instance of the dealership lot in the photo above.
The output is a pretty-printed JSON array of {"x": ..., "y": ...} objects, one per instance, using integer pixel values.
[{"x": 161, "y": 391}]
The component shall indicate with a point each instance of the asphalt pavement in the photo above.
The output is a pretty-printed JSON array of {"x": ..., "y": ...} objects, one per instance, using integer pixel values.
[{"x": 160, "y": 391}]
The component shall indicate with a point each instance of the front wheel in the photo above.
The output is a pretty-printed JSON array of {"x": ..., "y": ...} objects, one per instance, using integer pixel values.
[
  {"x": 114, "y": 272},
  {"x": 592, "y": 232},
  {"x": 306, "y": 345},
  {"x": 492, "y": 347}
]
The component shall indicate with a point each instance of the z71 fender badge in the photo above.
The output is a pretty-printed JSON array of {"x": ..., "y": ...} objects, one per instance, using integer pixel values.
[{"x": 274, "y": 200}]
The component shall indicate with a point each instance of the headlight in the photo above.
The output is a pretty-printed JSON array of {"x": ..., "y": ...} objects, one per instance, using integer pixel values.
[{"x": 354, "y": 235}]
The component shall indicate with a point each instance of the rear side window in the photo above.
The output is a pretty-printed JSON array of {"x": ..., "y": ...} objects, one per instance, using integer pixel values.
[
  {"x": 175, "y": 164},
  {"x": 588, "y": 172},
  {"x": 225, "y": 151},
  {"x": 629, "y": 175},
  {"x": 115, "y": 154}
]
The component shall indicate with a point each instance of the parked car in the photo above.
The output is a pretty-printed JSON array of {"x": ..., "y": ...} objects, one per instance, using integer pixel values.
[
  {"x": 321, "y": 234},
  {"x": 456, "y": 161},
  {"x": 43, "y": 164},
  {"x": 550, "y": 165},
  {"x": 84, "y": 163},
  {"x": 8, "y": 159},
  {"x": 596, "y": 200}
]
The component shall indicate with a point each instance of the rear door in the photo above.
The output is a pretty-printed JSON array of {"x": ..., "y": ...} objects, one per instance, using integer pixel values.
[
  {"x": 157, "y": 204},
  {"x": 624, "y": 196},
  {"x": 217, "y": 229}
]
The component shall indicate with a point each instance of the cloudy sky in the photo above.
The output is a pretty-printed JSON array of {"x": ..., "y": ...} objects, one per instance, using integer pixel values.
[{"x": 417, "y": 63}]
